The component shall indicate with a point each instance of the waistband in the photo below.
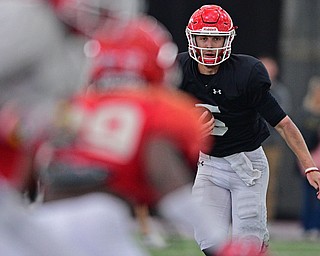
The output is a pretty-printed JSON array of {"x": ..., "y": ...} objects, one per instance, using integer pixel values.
[{"x": 221, "y": 159}]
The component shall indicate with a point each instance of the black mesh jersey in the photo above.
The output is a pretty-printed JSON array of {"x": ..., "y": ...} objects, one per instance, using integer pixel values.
[{"x": 239, "y": 98}]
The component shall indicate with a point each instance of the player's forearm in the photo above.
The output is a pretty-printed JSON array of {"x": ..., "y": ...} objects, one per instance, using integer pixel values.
[{"x": 294, "y": 139}]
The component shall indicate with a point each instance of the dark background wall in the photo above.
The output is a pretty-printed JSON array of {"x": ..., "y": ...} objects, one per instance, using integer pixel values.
[{"x": 258, "y": 22}]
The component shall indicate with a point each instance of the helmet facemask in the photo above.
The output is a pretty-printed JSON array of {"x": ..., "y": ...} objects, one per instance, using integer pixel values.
[{"x": 219, "y": 54}]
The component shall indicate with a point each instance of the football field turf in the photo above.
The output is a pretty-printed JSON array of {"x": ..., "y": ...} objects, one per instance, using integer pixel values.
[{"x": 183, "y": 247}]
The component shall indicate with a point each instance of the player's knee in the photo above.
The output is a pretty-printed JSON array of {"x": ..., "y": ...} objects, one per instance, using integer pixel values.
[{"x": 247, "y": 205}]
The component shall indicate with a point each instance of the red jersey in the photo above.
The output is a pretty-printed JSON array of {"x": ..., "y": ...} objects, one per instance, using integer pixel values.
[
  {"x": 16, "y": 152},
  {"x": 113, "y": 128},
  {"x": 15, "y": 164}
]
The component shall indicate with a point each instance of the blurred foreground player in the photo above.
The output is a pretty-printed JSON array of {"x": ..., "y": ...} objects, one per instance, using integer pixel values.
[
  {"x": 240, "y": 248},
  {"x": 35, "y": 75},
  {"x": 129, "y": 136}
]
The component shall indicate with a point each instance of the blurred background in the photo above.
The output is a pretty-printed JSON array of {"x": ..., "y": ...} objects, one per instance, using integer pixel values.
[{"x": 289, "y": 31}]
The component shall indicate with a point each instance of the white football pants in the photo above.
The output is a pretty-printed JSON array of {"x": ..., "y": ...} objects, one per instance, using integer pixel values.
[{"x": 234, "y": 190}]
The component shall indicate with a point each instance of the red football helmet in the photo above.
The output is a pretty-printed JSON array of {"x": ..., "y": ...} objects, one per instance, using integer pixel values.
[
  {"x": 210, "y": 20},
  {"x": 86, "y": 16},
  {"x": 139, "y": 52}
]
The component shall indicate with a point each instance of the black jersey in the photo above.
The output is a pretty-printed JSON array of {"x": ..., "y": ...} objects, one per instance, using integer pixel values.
[{"x": 239, "y": 98}]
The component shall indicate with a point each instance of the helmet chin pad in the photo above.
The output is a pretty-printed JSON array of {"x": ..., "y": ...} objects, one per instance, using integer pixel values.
[{"x": 214, "y": 57}]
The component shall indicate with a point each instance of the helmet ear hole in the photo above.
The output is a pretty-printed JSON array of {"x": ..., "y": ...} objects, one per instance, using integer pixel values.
[{"x": 210, "y": 20}]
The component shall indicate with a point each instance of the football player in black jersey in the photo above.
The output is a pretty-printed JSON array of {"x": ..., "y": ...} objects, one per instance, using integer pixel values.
[{"x": 233, "y": 176}]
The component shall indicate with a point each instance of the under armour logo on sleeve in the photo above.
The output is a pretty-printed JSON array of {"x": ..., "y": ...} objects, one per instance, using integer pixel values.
[
  {"x": 201, "y": 163},
  {"x": 215, "y": 91}
]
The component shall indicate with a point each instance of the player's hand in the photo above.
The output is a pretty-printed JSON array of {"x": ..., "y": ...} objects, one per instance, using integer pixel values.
[
  {"x": 207, "y": 120},
  {"x": 314, "y": 180}
]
